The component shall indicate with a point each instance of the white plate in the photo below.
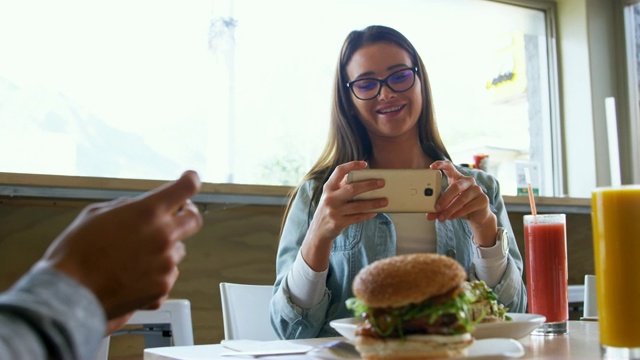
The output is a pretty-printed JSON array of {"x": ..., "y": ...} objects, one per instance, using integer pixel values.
[
  {"x": 494, "y": 349},
  {"x": 498, "y": 348},
  {"x": 521, "y": 326}
]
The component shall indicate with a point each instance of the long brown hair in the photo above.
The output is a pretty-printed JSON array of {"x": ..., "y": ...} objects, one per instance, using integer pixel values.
[{"x": 348, "y": 139}]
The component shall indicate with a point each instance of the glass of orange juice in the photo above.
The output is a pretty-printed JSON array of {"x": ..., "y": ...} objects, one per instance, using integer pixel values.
[{"x": 615, "y": 213}]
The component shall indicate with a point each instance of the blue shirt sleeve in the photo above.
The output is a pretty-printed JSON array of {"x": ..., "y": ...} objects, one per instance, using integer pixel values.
[{"x": 53, "y": 316}]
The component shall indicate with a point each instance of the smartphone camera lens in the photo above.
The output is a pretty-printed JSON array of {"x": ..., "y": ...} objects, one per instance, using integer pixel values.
[{"x": 428, "y": 192}]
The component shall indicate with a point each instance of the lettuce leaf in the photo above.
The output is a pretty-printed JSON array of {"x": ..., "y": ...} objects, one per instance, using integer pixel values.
[{"x": 390, "y": 321}]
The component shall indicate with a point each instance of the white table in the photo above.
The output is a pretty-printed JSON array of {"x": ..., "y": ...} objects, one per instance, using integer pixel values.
[{"x": 582, "y": 343}]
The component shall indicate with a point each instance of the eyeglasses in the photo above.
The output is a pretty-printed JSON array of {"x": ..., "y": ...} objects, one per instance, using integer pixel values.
[{"x": 398, "y": 81}]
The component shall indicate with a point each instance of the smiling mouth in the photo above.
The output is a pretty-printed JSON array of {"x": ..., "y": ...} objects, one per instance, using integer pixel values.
[{"x": 390, "y": 110}]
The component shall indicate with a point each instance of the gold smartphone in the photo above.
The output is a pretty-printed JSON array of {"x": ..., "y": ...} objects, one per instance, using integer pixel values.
[{"x": 408, "y": 190}]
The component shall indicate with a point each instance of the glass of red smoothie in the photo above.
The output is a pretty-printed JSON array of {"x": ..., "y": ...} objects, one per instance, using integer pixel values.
[{"x": 545, "y": 244}]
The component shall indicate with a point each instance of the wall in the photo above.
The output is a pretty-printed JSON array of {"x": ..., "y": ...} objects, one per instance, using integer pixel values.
[{"x": 236, "y": 244}]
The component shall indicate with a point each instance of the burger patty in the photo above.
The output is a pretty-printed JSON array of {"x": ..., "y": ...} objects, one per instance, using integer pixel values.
[
  {"x": 443, "y": 325},
  {"x": 389, "y": 321}
]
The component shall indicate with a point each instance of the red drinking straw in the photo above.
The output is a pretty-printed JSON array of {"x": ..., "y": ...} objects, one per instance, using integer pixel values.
[{"x": 532, "y": 203}]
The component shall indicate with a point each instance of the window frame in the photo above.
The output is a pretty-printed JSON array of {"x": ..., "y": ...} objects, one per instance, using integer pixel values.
[{"x": 59, "y": 190}]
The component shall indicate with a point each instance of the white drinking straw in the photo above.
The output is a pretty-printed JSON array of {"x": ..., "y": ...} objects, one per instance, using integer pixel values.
[{"x": 612, "y": 140}]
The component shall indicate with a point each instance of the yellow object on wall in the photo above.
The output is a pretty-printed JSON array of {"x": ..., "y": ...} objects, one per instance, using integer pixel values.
[{"x": 508, "y": 78}]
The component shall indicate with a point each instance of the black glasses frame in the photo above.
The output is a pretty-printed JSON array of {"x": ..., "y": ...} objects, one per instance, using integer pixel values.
[{"x": 381, "y": 82}]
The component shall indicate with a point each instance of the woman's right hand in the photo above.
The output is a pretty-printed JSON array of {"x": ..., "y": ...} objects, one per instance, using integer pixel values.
[{"x": 337, "y": 210}]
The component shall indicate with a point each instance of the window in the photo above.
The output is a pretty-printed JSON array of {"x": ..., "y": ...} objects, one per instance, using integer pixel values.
[{"x": 241, "y": 90}]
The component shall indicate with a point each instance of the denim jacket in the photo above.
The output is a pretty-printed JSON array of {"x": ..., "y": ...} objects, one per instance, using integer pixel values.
[{"x": 365, "y": 242}]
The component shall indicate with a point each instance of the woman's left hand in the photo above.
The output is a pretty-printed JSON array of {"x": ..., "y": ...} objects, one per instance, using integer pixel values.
[{"x": 463, "y": 198}]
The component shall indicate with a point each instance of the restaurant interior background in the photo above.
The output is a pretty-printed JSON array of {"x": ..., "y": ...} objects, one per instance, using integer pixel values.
[{"x": 240, "y": 234}]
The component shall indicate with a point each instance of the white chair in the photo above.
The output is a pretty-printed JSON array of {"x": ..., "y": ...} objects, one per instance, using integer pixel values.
[
  {"x": 590, "y": 309},
  {"x": 245, "y": 311},
  {"x": 172, "y": 321},
  {"x": 575, "y": 297},
  {"x": 575, "y": 294}
]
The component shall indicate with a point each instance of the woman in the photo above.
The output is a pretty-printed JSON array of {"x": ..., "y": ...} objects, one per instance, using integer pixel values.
[{"x": 383, "y": 118}]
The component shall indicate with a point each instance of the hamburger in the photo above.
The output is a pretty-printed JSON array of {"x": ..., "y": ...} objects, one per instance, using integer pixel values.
[{"x": 413, "y": 306}]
